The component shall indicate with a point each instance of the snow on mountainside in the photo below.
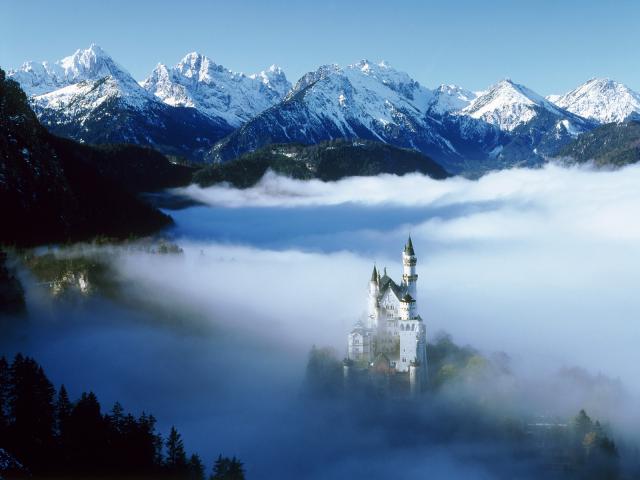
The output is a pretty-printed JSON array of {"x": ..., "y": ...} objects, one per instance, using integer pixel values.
[
  {"x": 90, "y": 64},
  {"x": 449, "y": 99},
  {"x": 88, "y": 97},
  {"x": 198, "y": 82},
  {"x": 364, "y": 100},
  {"x": 602, "y": 100},
  {"x": 508, "y": 105},
  {"x": 365, "y": 94}
]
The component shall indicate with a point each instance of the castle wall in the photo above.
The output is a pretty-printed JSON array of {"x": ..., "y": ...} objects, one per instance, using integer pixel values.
[{"x": 409, "y": 336}]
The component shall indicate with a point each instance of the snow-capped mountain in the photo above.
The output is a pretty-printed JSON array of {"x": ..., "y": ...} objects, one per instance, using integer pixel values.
[
  {"x": 198, "y": 82},
  {"x": 508, "y": 105},
  {"x": 450, "y": 99},
  {"x": 37, "y": 78},
  {"x": 601, "y": 99},
  {"x": 185, "y": 109},
  {"x": 364, "y": 100},
  {"x": 458, "y": 128},
  {"x": 88, "y": 97}
]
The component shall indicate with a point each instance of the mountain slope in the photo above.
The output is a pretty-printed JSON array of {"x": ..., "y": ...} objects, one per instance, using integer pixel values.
[
  {"x": 90, "y": 64},
  {"x": 327, "y": 161},
  {"x": 89, "y": 98},
  {"x": 613, "y": 144},
  {"x": 507, "y": 105},
  {"x": 508, "y": 125},
  {"x": 49, "y": 193},
  {"x": 602, "y": 100},
  {"x": 215, "y": 91},
  {"x": 532, "y": 127},
  {"x": 366, "y": 101}
]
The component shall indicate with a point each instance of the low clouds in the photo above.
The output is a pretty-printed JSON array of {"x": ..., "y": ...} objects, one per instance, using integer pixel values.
[{"x": 540, "y": 264}]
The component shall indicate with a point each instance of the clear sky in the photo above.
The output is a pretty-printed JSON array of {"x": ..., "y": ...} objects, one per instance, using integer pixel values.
[{"x": 550, "y": 46}]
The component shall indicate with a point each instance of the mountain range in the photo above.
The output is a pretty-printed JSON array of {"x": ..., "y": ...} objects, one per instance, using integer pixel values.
[
  {"x": 53, "y": 189},
  {"x": 203, "y": 112}
]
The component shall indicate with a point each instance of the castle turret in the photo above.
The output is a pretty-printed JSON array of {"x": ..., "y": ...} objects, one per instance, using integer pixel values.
[
  {"x": 409, "y": 275},
  {"x": 374, "y": 291},
  {"x": 408, "y": 308}
]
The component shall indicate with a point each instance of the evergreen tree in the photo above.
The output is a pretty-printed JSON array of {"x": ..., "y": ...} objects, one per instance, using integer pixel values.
[
  {"x": 31, "y": 413},
  {"x": 226, "y": 468},
  {"x": 582, "y": 424},
  {"x": 176, "y": 459},
  {"x": 196, "y": 468},
  {"x": 87, "y": 435},
  {"x": 4, "y": 395},
  {"x": 116, "y": 417},
  {"x": 63, "y": 411}
]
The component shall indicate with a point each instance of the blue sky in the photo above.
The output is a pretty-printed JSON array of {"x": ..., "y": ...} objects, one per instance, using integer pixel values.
[{"x": 551, "y": 46}]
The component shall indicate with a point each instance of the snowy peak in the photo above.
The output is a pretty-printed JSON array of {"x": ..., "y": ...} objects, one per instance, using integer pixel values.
[
  {"x": 601, "y": 99},
  {"x": 382, "y": 72},
  {"x": 450, "y": 98},
  {"x": 364, "y": 93},
  {"x": 274, "y": 79},
  {"x": 89, "y": 64},
  {"x": 196, "y": 81},
  {"x": 508, "y": 105}
]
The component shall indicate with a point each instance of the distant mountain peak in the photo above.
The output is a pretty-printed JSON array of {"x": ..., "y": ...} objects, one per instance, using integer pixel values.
[
  {"x": 449, "y": 99},
  {"x": 89, "y": 64},
  {"x": 601, "y": 99},
  {"x": 507, "y": 105},
  {"x": 196, "y": 81}
]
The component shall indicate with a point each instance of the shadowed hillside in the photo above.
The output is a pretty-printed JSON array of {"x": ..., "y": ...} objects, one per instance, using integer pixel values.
[
  {"x": 327, "y": 161},
  {"x": 56, "y": 190}
]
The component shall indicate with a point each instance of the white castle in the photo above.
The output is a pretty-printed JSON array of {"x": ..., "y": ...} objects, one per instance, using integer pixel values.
[{"x": 393, "y": 332}]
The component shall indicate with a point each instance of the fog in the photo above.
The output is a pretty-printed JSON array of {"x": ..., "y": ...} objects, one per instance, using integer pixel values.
[{"x": 542, "y": 265}]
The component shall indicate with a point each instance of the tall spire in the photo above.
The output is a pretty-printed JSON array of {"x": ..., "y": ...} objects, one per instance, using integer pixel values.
[
  {"x": 374, "y": 274},
  {"x": 408, "y": 248}
]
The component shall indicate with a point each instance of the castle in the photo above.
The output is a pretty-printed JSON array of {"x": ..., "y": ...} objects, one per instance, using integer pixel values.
[{"x": 392, "y": 340}]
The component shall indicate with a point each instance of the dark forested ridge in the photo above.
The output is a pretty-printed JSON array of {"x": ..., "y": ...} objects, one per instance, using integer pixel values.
[
  {"x": 610, "y": 145},
  {"x": 327, "y": 161},
  {"x": 56, "y": 190},
  {"x": 43, "y": 433},
  {"x": 138, "y": 169}
]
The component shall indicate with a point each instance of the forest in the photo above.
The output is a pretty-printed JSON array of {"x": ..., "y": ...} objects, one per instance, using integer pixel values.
[{"x": 43, "y": 433}]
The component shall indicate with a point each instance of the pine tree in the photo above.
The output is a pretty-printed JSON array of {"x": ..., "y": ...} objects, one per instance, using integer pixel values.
[
  {"x": 4, "y": 396},
  {"x": 176, "y": 457},
  {"x": 226, "y": 468},
  {"x": 31, "y": 413},
  {"x": 116, "y": 417},
  {"x": 196, "y": 467},
  {"x": 63, "y": 411},
  {"x": 582, "y": 424},
  {"x": 87, "y": 434}
]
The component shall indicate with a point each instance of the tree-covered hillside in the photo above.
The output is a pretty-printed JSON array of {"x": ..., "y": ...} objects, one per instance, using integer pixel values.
[
  {"x": 613, "y": 144},
  {"x": 327, "y": 161},
  {"x": 56, "y": 190}
]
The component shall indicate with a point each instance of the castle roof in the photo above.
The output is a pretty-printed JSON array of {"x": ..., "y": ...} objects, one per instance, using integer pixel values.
[
  {"x": 408, "y": 248},
  {"x": 408, "y": 298},
  {"x": 374, "y": 275},
  {"x": 386, "y": 283}
]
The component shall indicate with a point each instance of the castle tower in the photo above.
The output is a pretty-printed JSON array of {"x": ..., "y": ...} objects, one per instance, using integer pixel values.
[
  {"x": 374, "y": 291},
  {"x": 413, "y": 344},
  {"x": 409, "y": 275}
]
